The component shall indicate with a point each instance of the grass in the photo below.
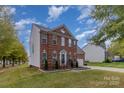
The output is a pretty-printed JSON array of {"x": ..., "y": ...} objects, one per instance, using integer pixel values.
[
  {"x": 25, "y": 77},
  {"x": 113, "y": 64}
]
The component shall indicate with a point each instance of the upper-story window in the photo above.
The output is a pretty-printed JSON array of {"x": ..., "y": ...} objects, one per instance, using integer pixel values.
[
  {"x": 54, "y": 39},
  {"x": 62, "y": 30},
  {"x": 44, "y": 38},
  {"x": 69, "y": 42},
  {"x": 62, "y": 41},
  {"x": 69, "y": 55},
  {"x": 74, "y": 42}
]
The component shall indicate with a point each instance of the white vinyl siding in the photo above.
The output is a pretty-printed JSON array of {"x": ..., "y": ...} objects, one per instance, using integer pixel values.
[
  {"x": 94, "y": 53},
  {"x": 35, "y": 47}
]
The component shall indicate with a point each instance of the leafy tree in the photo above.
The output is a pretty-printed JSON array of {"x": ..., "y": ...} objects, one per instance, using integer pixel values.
[
  {"x": 112, "y": 19},
  {"x": 113, "y": 23},
  {"x": 6, "y": 38},
  {"x": 10, "y": 47},
  {"x": 18, "y": 52},
  {"x": 117, "y": 48}
]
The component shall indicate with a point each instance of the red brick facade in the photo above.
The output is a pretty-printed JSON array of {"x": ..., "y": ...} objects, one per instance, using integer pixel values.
[
  {"x": 80, "y": 56},
  {"x": 49, "y": 47},
  {"x": 58, "y": 46}
]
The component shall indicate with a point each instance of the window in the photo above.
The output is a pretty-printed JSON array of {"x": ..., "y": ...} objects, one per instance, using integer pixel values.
[
  {"x": 69, "y": 42},
  {"x": 54, "y": 39},
  {"x": 69, "y": 55},
  {"x": 74, "y": 42},
  {"x": 44, "y": 38},
  {"x": 62, "y": 41},
  {"x": 44, "y": 56},
  {"x": 32, "y": 49},
  {"x": 62, "y": 31},
  {"x": 54, "y": 55}
]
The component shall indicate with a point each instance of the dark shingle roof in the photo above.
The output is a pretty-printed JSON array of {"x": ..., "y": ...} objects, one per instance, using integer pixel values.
[
  {"x": 92, "y": 44},
  {"x": 48, "y": 29},
  {"x": 79, "y": 50},
  {"x": 42, "y": 27}
]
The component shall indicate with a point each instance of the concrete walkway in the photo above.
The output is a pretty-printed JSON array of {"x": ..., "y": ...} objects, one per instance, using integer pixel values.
[{"x": 107, "y": 68}]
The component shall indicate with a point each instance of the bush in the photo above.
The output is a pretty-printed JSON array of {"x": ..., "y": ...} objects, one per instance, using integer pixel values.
[
  {"x": 107, "y": 61},
  {"x": 46, "y": 65},
  {"x": 71, "y": 64},
  {"x": 85, "y": 64},
  {"x": 76, "y": 64},
  {"x": 56, "y": 65}
]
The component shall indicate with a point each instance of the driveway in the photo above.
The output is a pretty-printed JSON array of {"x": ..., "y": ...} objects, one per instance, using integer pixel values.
[{"x": 107, "y": 68}]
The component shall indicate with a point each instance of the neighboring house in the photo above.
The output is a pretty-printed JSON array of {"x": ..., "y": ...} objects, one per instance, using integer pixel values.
[
  {"x": 94, "y": 53},
  {"x": 80, "y": 57},
  {"x": 54, "y": 45}
]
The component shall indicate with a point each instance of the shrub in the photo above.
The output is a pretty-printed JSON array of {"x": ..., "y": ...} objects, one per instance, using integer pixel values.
[
  {"x": 107, "y": 61},
  {"x": 76, "y": 64},
  {"x": 71, "y": 63},
  {"x": 56, "y": 65},
  {"x": 85, "y": 64},
  {"x": 87, "y": 61},
  {"x": 46, "y": 65}
]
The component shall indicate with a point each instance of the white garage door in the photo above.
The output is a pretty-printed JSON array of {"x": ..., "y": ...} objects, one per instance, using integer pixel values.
[{"x": 80, "y": 62}]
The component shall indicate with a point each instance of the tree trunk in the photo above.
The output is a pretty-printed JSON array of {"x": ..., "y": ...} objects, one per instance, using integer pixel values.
[
  {"x": 10, "y": 61},
  {"x": 6, "y": 61},
  {"x": 19, "y": 61},
  {"x": 13, "y": 62},
  {"x": 3, "y": 62}
]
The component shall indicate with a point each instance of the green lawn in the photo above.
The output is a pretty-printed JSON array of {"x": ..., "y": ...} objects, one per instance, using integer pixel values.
[
  {"x": 23, "y": 76},
  {"x": 113, "y": 64}
]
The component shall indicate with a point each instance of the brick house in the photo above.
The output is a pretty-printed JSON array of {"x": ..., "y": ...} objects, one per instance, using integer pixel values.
[{"x": 54, "y": 46}]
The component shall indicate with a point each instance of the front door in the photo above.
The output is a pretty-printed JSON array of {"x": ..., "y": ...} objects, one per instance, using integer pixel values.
[{"x": 63, "y": 57}]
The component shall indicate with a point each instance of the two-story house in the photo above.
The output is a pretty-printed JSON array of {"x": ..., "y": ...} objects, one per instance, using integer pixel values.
[{"x": 52, "y": 45}]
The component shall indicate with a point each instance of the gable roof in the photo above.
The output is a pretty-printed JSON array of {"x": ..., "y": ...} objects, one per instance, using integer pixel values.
[
  {"x": 48, "y": 29},
  {"x": 79, "y": 50},
  {"x": 42, "y": 27},
  {"x": 62, "y": 25},
  {"x": 92, "y": 44}
]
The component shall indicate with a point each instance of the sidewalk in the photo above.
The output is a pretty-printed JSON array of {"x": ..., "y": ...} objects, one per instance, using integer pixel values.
[{"x": 107, "y": 68}]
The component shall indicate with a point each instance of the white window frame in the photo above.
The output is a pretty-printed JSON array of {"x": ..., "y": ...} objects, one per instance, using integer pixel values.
[
  {"x": 54, "y": 57},
  {"x": 69, "y": 42},
  {"x": 74, "y": 42},
  {"x": 62, "y": 41},
  {"x": 54, "y": 38},
  {"x": 44, "y": 36},
  {"x": 44, "y": 52}
]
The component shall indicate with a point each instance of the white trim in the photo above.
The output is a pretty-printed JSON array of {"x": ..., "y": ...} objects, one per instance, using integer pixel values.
[
  {"x": 44, "y": 51},
  {"x": 69, "y": 42},
  {"x": 62, "y": 41}
]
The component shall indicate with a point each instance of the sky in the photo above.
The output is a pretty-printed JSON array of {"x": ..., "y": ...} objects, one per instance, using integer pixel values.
[{"x": 76, "y": 18}]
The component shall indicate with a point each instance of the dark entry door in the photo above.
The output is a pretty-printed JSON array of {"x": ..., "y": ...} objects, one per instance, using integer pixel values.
[{"x": 63, "y": 58}]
